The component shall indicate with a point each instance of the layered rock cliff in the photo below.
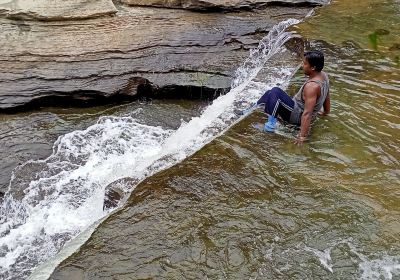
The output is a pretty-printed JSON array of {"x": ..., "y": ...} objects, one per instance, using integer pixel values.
[{"x": 76, "y": 51}]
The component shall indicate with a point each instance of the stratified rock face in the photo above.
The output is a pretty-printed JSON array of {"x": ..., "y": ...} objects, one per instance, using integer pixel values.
[
  {"x": 220, "y": 4},
  {"x": 140, "y": 49},
  {"x": 56, "y": 9}
]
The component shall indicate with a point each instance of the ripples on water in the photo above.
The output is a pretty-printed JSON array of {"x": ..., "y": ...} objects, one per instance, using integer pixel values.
[
  {"x": 251, "y": 205},
  {"x": 50, "y": 201}
]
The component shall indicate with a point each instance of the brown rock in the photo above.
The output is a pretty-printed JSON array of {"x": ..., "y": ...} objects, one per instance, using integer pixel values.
[
  {"x": 115, "y": 193},
  {"x": 112, "y": 197},
  {"x": 56, "y": 9}
]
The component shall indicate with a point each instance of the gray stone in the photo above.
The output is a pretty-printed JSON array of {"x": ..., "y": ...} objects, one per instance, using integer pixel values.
[
  {"x": 56, "y": 9},
  {"x": 141, "y": 50},
  {"x": 112, "y": 197}
]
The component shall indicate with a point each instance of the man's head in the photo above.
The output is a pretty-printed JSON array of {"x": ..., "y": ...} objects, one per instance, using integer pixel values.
[{"x": 313, "y": 62}]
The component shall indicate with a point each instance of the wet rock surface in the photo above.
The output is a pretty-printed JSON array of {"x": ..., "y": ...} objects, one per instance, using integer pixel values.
[
  {"x": 112, "y": 197},
  {"x": 116, "y": 192},
  {"x": 139, "y": 52}
]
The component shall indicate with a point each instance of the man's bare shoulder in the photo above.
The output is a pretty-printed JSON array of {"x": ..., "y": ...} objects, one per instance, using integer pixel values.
[{"x": 311, "y": 88}]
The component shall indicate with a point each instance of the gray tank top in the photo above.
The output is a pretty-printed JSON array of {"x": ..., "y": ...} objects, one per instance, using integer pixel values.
[{"x": 295, "y": 116}]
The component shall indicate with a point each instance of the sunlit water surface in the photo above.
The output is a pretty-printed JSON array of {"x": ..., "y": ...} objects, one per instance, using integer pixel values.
[{"x": 252, "y": 205}]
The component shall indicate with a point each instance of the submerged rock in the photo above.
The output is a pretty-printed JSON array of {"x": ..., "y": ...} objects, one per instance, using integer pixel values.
[
  {"x": 112, "y": 197},
  {"x": 56, "y": 9},
  {"x": 382, "y": 32},
  {"x": 116, "y": 193},
  {"x": 394, "y": 47}
]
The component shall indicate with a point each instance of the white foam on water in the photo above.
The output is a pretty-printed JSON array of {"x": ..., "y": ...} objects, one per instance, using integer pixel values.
[
  {"x": 51, "y": 201},
  {"x": 369, "y": 267},
  {"x": 381, "y": 268},
  {"x": 323, "y": 256}
]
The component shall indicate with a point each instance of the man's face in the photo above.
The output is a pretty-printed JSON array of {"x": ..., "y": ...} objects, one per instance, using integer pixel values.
[{"x": 307, "y": 67}]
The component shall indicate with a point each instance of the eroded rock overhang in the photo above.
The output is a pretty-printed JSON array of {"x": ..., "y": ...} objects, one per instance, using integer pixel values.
[{"x": 89, "y": 51}]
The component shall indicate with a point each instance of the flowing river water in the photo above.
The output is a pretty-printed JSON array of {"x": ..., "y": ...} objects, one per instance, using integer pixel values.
[{"x": 247, "y": 205}]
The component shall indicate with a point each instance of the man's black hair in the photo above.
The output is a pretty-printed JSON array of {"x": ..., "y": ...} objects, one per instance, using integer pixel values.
[{"x": 316, "y": 59}]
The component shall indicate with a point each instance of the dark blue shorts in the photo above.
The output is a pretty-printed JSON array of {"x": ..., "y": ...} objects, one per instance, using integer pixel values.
[{"x": 277, "y": 103}]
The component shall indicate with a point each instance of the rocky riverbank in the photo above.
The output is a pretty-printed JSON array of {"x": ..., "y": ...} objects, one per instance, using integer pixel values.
[{"x": 84, "y": 52}]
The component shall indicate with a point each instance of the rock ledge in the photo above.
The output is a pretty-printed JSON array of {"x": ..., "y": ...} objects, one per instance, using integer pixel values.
[{"x": 56, "y": 9}]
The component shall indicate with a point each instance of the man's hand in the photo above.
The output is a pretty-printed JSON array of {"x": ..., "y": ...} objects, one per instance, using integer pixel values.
[{"x": 299, "y": 140}]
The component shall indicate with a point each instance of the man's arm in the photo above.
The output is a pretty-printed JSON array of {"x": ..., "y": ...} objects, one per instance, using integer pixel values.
[{"x": 310, "y": 94}]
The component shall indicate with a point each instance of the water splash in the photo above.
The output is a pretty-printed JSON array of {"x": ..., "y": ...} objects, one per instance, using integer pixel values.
[
  {"x": 323, "y": 256},
  {"x": 381, "y": 268},
  {"x": 51, "y": 201},
  {"x": 267, "y": 47},
  {"x": 369, "y": 267}
]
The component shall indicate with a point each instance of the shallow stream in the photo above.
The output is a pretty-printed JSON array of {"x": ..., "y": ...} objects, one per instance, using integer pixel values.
[{"x": 248, "y": 205}]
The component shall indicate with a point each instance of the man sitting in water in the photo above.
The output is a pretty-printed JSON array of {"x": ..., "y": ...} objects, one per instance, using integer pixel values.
[{"x": 312, "y": 97}]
